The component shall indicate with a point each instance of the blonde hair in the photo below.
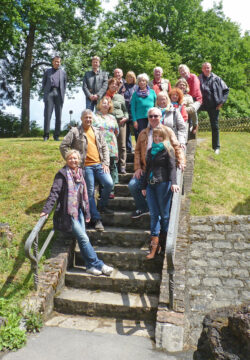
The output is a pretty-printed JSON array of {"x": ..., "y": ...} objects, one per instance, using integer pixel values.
[
  {"x": 96, "y": 58},
  {"x": 130, "y": 73},
  {"x": 110, "y": 102},
  {"x": 71, "y": 152},
  {"x": 160, "y": 130},
  {"x": 183, "y": 81},
  {"x": 164, "y": 93}
]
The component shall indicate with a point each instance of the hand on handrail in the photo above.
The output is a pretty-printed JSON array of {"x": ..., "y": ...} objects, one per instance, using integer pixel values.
[
  {"x": 182, "y": 166},
  {"x": 44, "y": 214}
]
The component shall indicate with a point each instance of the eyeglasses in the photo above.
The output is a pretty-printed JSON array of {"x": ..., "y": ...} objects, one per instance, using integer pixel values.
[{"x": 153, "y": 116}]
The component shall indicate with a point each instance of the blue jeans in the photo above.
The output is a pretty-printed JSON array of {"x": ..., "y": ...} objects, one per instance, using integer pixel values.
[
  {"x": 214, "y": 121},
  {"x": 96, "y": 172},
  {"x": 159, "y": 198},
  {"x": 90, "y": 104},
  {"x": 88, "y": 253},
  {"x": 142, "y": 124},
  {"x": 135, "y": 187}
]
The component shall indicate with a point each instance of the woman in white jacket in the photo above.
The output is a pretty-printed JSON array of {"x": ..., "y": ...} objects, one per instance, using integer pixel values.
[{"x": 172, "y": 117}]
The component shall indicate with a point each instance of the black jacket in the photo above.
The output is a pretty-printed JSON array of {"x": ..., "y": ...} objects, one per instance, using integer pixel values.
[
  {"x": 214, "y": 91},
  {"x": 162, "y": 166},
  {"x": 59, "y": 194}
]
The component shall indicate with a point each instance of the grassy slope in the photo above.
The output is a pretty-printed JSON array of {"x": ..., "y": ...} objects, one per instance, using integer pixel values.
[
  {"x": 221, "y": 182},
  {"x": 27, "y": 168}
]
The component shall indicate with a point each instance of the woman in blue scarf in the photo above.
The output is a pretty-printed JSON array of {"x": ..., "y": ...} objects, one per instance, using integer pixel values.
[{"x": 160, "y": 183}]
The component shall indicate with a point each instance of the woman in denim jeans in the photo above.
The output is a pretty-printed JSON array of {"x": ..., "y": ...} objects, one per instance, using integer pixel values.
[
  {"x": 70, "y": 192},
  {"x": 159, "y": 184}
]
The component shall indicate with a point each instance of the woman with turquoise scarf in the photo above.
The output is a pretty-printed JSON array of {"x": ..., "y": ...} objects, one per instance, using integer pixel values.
[{"x": 158, "y": 187}]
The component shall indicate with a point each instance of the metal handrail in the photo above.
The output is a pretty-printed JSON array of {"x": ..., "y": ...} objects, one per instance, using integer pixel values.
[
  {"x": 32, "y": 241},
  {"x": 173, "y": 231}
]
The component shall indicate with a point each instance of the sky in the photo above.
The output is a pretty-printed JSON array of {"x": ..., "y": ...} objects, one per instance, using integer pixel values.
[{"x": 238, "y": 11}]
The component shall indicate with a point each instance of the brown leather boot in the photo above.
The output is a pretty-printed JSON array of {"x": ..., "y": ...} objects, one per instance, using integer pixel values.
[{"x": 154, "y": 247}]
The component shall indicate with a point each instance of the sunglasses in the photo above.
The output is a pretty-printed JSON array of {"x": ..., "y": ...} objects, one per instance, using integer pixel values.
[{"x": 153, "y": 116}]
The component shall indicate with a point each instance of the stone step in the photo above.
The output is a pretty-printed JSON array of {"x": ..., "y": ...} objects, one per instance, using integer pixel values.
[
  {"x": 122, "y": 203},
  {"x": 123, "y": 219},
  {"x": 130, "y": 167},
  {"x": 119, "y": 237},
  {"x": 103, "y": 325},
  {"x": 122, "y": 190},
  {"x": 131, "y": 259},
  {"x": 118, "y": 281},
  {"x": 125, "y": 178},
  {"x": 130, "y": 158},
  {"x": 108, "y": 304}
]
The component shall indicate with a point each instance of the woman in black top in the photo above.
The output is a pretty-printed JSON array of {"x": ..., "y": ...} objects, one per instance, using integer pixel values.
[{"x": 160, "y": 183}]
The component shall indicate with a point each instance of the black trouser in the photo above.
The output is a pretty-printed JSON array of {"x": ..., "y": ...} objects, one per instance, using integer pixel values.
[{"x": 54, "y": 100}]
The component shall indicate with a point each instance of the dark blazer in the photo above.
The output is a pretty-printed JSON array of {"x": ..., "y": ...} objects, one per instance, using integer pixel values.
[
  {"x": 59, "y": 194},
  {"x": 162, "y": 166},
  {"x": 46, "y": 84},
  {"x": 214, "y": 91},
  {"x": 95, "y": 84}
]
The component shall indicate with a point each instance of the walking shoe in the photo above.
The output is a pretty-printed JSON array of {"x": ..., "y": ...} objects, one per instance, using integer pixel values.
[
  {"x": 217, "y": 151},
  {"x": 98, "y": 226},
  {"x": 105, "y": 210},
  {"x": 138, "y": 213},
  {"x": 107, "y": 270},
  {"x": 94, "y": 271},
  {"x": 122, "y": 171}
]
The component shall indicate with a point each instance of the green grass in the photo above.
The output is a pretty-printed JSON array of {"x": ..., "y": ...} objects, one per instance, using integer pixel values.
[
  {"x": 221, "y": 182},
  {"x": 27, "y": 169}
]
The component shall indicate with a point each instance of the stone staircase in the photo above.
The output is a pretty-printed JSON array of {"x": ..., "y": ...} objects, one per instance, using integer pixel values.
[{"x": 132, "y": 290}]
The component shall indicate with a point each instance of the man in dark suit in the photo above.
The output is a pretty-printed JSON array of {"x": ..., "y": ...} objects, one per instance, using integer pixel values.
[
  {"x": 95, "y": 84},
  {"x": 53, "y": 86}
]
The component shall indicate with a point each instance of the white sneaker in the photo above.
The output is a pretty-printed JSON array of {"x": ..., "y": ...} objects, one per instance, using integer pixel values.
[
  {"x": 94, "y": 271},
  {"x": 217, "y": 151},
  {"x": 107, "y": 270}
]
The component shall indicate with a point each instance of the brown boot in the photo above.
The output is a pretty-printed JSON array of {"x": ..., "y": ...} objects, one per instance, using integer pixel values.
[{"x": 154, "y": 247}]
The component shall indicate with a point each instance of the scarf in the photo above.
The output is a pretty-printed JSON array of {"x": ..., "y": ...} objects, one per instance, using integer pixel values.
[
  {"x": 156, "y": 148},
  {"x": 75, "y": 186},
  {"x": 110, "y": 93},
  {"x": 157, "y": 82},
  {"x": 143, "y": 93}
]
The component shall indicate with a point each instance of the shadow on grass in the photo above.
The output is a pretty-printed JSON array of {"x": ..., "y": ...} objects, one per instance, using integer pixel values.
[
  {"x": 242, "y": 208},
  {"x": 35, "y": 208},
  {"x": 11, "y": 287}
]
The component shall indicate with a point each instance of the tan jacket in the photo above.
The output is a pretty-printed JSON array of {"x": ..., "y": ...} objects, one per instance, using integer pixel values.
[
  {"x": 141, "y": 148},
  {"x": 76, "y": 139}
]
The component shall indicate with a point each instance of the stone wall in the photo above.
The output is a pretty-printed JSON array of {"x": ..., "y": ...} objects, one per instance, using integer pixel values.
[{"x": 217, "y": 268}]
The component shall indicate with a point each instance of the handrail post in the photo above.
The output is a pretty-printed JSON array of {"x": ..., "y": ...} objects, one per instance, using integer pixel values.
[
  {"x": 172, "y": 233},
  {"x": 36, "y": 263},
  {"x": 32, "y": 242}
]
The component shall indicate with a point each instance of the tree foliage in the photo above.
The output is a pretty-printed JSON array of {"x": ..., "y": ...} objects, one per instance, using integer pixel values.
[
  {"x": 191, "y": 36},
  {"x": 43, "y": 28},
  {"x": 140, "y": 55}
]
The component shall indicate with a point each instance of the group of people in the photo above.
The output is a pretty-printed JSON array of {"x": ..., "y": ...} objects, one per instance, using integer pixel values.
[{"x": 96, "y": 151}]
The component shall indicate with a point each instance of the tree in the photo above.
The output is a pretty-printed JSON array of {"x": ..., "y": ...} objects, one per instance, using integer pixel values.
[
  {"x": 168, "y": 21},
  {"x": 43, "y": 28},
  {"x": 140, "y": 54}
]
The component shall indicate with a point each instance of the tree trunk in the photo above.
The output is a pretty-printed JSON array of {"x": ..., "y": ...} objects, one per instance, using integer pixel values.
[{"x": 26, "y": 80}]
